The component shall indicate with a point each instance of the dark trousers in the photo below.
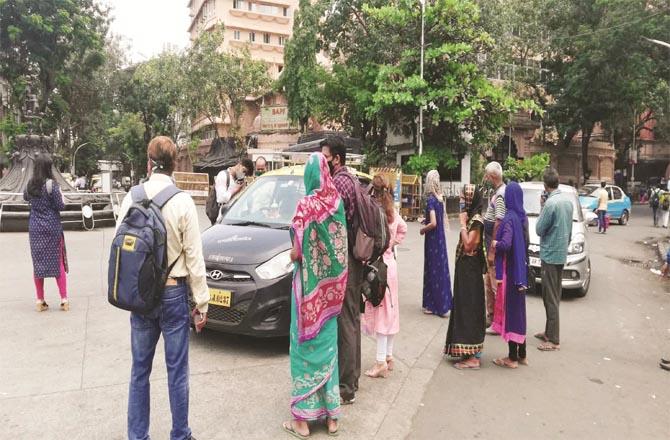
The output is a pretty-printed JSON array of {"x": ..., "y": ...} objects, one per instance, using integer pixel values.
[
  {"x": 602, "y": 223},
  {"x": 171, "y": 320},
  {"x": 552, "y": 274},
  {"x": 516, "y": 351},
  {"x": 349, "y": 332},
  {"x": 655, "y": 210}
]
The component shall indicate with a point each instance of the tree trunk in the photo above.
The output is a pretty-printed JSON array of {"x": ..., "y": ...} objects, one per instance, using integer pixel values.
[{"x": 586, "y": 138}]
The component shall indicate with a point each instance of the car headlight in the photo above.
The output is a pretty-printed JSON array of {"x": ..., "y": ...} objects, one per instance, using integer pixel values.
[
  {"x": 576, "y": 248},
  {"x": 276, "y": 267}
]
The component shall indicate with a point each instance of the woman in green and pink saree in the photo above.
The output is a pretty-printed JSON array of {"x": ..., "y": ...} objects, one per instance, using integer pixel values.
[{"x": 319, "y": 237}]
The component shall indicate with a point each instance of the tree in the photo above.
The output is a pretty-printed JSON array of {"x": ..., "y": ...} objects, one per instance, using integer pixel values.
[
  {"x": 218, "y": 83},
  {"x": 601, "y": 69},
  {"x": 153, "y": 90},
  {"x": 44, "y": 43},
  {"x": 528, "y": 169},
  {"x": 302, "y": 75},
  {"x": 376, "y": 55}
]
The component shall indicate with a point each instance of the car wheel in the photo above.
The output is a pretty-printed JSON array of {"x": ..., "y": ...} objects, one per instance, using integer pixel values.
[
  {"x": 624, "y": 217},
  {"x": 582, "y": 291}
]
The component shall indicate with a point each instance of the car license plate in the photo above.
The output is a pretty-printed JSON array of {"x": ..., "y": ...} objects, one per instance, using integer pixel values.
[
  {"x": 535, "y": 262},
  {"x": 220, "y": 297}
]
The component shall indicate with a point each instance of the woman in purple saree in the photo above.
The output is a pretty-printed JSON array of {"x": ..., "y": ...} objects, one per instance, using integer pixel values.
[{"x": 511, "y": 247}]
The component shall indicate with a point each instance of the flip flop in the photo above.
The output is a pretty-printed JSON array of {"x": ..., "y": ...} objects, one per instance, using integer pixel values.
[
  {"x": 503, "y": 364},
  {"x": 427, "y": 312},
  {"x": 332, "y": 433},
  {"x": 523, "y": 361},
  {"x": 666, "y": 367},
  {"x": 548, "y": 347},
  {"x": 541, "y": 337},
  {"x": 465, "y": 366},
  {"x": 288, "y": 427},
  {"x": 665, "y": 361}
]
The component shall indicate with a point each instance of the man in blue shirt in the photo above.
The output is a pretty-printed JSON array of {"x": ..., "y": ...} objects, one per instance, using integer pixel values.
[{"x": 554, "y": 227}]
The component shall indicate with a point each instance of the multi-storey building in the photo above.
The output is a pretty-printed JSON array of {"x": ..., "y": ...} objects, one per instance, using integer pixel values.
[{"x": 262, "y": 26}]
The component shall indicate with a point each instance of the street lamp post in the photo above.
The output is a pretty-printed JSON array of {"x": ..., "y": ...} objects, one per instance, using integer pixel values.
[
  {"x": 74, "y": 156},
  {"x": 423, "y": 26}
]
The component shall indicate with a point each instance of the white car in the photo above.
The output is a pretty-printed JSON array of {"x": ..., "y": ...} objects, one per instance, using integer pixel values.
[{"x": 577, "y": 270}]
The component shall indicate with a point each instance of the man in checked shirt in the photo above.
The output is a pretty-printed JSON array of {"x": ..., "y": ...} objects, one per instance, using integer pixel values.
[{"x": 349, "y": 320}]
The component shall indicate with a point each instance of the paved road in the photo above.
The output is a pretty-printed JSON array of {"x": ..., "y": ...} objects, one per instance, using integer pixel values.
[
  {"x": 65, "y": 375},
  {"x": 604, "y": 383}
]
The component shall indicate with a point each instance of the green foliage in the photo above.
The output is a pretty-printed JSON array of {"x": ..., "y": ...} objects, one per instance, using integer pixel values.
[
  {"x": 596, "y": 66},
  {"x": 218, "y": 83},
  {"x": 477, "y": 167},
  {"x": 431, "y": 159},
  {"x": 47, "y": 44},
  {"x": 375, "y": 81},
  {"x": 10, "y": 128},
  {"x": 302, "y": 75},
  {"x": 526, "y": 170}
]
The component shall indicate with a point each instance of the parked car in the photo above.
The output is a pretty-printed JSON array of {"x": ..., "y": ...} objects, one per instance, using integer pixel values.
[
  {"x": 247, "y": 256},
  {"x": 577, "y": 270},
  {"x": 618, "y": 206}
]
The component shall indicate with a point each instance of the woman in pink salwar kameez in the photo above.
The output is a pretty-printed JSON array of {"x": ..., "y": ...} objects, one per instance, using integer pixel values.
[{"x": 383, "y": 321}]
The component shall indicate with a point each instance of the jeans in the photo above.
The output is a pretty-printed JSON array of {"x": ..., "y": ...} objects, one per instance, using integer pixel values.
[{"x": 171, "y": 319}]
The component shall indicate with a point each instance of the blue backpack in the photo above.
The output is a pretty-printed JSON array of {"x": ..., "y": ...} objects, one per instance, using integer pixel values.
[{"x": 138, "y": 266}]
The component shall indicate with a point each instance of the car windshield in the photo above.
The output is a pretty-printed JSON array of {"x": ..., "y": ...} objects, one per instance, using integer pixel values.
[
  {"x": 588, "y": 190},
  {"x": 531, "y": 203},
  {"x": 269, "y": 201}
]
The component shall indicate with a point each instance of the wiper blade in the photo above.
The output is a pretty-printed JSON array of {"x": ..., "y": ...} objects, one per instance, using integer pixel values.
[{"x": 250, "y": 223}]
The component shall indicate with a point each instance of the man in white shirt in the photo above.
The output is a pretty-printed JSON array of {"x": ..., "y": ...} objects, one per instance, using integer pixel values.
[
  {"x": 228, "y": 183},
  {"x": 171, "y": 318},
  {"x": 603, "y": 197},
  {"x": 495, "y": 213}
]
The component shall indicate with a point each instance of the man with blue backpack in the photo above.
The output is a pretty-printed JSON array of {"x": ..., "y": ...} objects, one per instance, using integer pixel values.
[{"x": 156, "y": 257}]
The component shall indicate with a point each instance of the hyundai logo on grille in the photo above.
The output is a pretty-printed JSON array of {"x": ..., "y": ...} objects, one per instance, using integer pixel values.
[{"x": 215, "y": 275}]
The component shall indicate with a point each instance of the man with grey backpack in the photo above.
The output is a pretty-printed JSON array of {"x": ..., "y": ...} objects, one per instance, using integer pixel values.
[{"x": 156, "y": 257}]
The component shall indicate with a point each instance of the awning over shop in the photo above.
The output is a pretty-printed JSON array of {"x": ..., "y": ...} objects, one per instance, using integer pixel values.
[{"x": 311, "y": 143}]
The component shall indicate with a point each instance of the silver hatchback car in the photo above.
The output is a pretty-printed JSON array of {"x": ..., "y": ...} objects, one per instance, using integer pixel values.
[{"x": 577, "y": 270}]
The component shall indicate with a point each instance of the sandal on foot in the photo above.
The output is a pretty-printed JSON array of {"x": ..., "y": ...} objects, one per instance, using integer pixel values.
[
  {"x": 464, "y": 365},
  {"x": 335, "y": 432},
  {"x": 288, "y": 427},
  {"x": 42, "y": 306},
  {"x": 390, "y": 362},
  {"x": 379, "y": 370},
  {"x": 65, "y": 306},
  {"x": 427, "y": 312},
  {"x": 548, "y": 346},
  {"x": 523, "y": 361},
  {"x": 505, "y": 364}
]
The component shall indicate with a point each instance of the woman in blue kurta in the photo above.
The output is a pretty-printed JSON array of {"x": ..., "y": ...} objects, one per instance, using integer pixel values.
[
  {"x": 436, "y": 279},
  {"x": 47, "y": 243}
]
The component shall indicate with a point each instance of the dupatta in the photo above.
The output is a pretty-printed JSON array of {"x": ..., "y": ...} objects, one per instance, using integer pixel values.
[
  {"x": 319, "y": 231},
  {"x": 516, "y": 217}
]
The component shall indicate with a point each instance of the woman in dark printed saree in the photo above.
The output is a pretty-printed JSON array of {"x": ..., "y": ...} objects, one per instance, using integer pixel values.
[
  {"x": 511, "y": 246},
  {"x": 319, "y": 283},
  {"x": 467, "y": 324},
  {"x": 47, "y": 242}
]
